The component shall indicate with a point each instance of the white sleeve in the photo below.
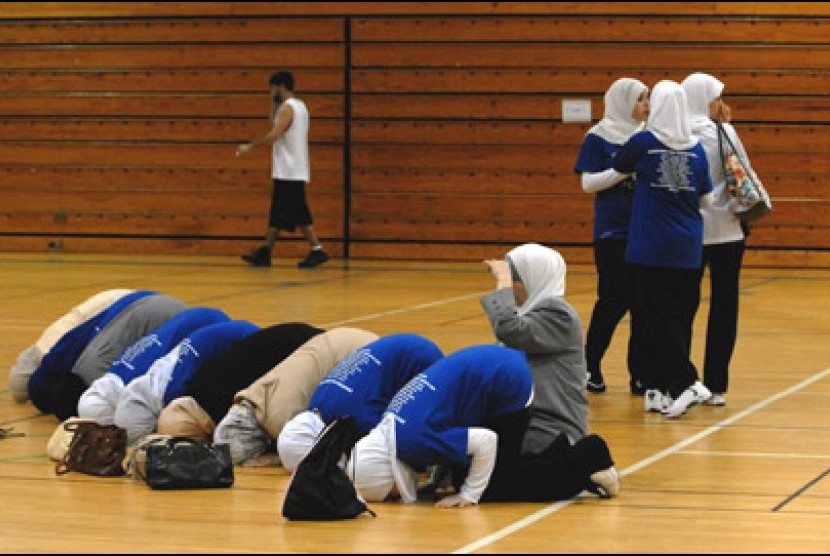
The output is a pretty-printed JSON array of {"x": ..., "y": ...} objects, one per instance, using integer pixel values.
[
  {"x": 598, "y": 181},
  {"x": 707, "y": 201},
  {"x": 481, "y": 445}
]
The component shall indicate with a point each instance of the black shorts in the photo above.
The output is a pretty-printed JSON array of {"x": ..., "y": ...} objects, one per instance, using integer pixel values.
[{"x": 288, "y": 206}]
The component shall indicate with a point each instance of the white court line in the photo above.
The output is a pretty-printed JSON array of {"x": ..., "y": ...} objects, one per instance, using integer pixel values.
[
  {"x": 404, "y": 309},
  {"x": 719, "y": 453},
  {"x": 533, "y": 518}
]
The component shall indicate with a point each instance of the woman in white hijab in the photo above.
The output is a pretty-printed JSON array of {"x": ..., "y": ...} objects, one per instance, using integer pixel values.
[
  {"x": 665, "y": 245},
  {"x": 626, "y": 108},
  {"x": 528, "y": 312},
  {"x": 724, "y": 238}
]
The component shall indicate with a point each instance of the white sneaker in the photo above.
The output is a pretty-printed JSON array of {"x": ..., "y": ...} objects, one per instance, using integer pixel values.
[
  {"x": 607, "y": 482},
  {"x": 655, "y": 400},
  {"x": 716, "y": 399},
  {"x": 702, "y": 394},
  {"x": 681, "y": 404}
]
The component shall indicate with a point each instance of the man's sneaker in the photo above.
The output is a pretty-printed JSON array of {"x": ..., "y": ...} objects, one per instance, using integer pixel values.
[
  {"x": 636, "y": 387},
  {"x": 683, "y": 402},
  {"x": 716, "y": 399},
  {"x": 655, "y": 400},
  {"x": 702, "y": 394},
  {"x": 596, "y": 383},
  {"x": 258, "y": 257},
  {"x": 315, "y": 258},
  {"x": 606, "y": 483}
]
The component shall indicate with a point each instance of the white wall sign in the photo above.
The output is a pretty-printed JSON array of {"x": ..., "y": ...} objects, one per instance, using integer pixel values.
[{"x": 576, "y": 110}]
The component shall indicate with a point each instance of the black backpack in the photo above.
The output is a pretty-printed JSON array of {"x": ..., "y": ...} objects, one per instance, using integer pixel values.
[{"x": 320, "y": 489}]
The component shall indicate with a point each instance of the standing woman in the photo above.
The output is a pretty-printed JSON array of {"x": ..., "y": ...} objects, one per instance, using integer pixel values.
[
  {"x": 626, "y": 107},
  {"x": 723, "y": 237},
  {"x": 665, "y": 245}
]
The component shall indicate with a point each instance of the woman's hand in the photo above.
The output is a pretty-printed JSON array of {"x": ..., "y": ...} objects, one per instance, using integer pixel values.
[
  {"x": 498, "y": 268},
  {"x": 454, "y": 501},
  {"x": 724, "y": 114}
]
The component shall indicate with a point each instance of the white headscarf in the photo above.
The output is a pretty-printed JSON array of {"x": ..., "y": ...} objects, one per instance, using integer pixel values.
[
  {"x": 297, "y": 438},
  {"x": 701, "y": 89},
  {"x": 617, "y": 125},
  {"x": 542, "y": 271},
  {"x": 668, "y": 116},
  {"x": 99, "y": 401},
  {"x": 375, "y": 467}
]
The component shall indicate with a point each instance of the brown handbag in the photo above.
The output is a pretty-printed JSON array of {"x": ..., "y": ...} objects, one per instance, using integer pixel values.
[{"x": 95, "y": 450}]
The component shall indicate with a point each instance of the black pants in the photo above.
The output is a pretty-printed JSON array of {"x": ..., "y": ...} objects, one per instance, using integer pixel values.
[
  {"x": 667, "y": 300},
  {"x": 615, "y": 298},
  {"x": 724, "y": 262},
  {"x": 560, "y": 472}
]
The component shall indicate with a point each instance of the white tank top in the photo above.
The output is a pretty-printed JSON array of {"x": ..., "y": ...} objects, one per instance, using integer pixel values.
[{"x": 290, "y": 151}]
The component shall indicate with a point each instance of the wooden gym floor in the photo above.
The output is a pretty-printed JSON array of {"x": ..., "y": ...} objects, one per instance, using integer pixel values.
[{"x": 750, "y": 477}]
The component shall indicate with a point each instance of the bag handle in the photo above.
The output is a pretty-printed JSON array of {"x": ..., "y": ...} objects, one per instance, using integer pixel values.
[{"x": 175, "y": 440}]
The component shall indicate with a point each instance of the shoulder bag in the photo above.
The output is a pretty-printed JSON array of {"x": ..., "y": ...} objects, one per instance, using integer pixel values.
[{"x": 752, "y": 200}]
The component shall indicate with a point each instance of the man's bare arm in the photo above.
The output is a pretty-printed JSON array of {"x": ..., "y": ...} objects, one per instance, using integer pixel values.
[{"x": 285, "y": 115}]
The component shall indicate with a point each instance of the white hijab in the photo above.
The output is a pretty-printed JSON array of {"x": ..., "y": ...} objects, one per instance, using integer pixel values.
[
  {"x": 668, "y": 117},
  {"x": 701, "y": 89},
  {"x": 541, "y": 270},
  {"x": 375, "y": 469},
  {"x": 617, "y": 125}
]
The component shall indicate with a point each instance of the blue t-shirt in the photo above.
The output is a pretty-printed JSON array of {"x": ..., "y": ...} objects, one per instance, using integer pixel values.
[
  {"x": 434, "y": 411},
  {"x": 199, "y": 347},
  {"x": 666, "y": 225},
  {"x": 140, "y": 356},
  {"x": 61, "y": 358},
  {"x": 362, "y": 384},
  {"x": 612, "y": 206}
]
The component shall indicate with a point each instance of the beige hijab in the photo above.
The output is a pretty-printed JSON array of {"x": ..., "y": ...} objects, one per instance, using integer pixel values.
[{"x": 185, "y": 417}]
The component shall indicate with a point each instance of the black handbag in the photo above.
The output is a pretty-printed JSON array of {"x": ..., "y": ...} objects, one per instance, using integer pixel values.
[{"x": 183, "y": 463}]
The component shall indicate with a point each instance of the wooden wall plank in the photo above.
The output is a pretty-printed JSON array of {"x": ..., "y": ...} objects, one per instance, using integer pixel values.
[
  {"x": 108, "y": 105},
  {"x": 151, "y": 179},
  {"x": 585, "y": 81},
  {"x": 142, "y": 31},
  {"x": 143, "y": 9},
  {"x": 157, "y": 56},
  {"x": 620, "y": 57},
  {"x": 195, "y": 80},
  {"x": 193, "y": 155},
  {"x": 534, "y": 106},
  {"x": 592, "y": 29},
  {"x": 138, "y": 130},
  {"x": 328, "y": 223}
]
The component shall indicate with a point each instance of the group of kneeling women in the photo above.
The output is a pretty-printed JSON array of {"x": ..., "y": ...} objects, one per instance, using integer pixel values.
[{"x": 506, "y": 421}]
